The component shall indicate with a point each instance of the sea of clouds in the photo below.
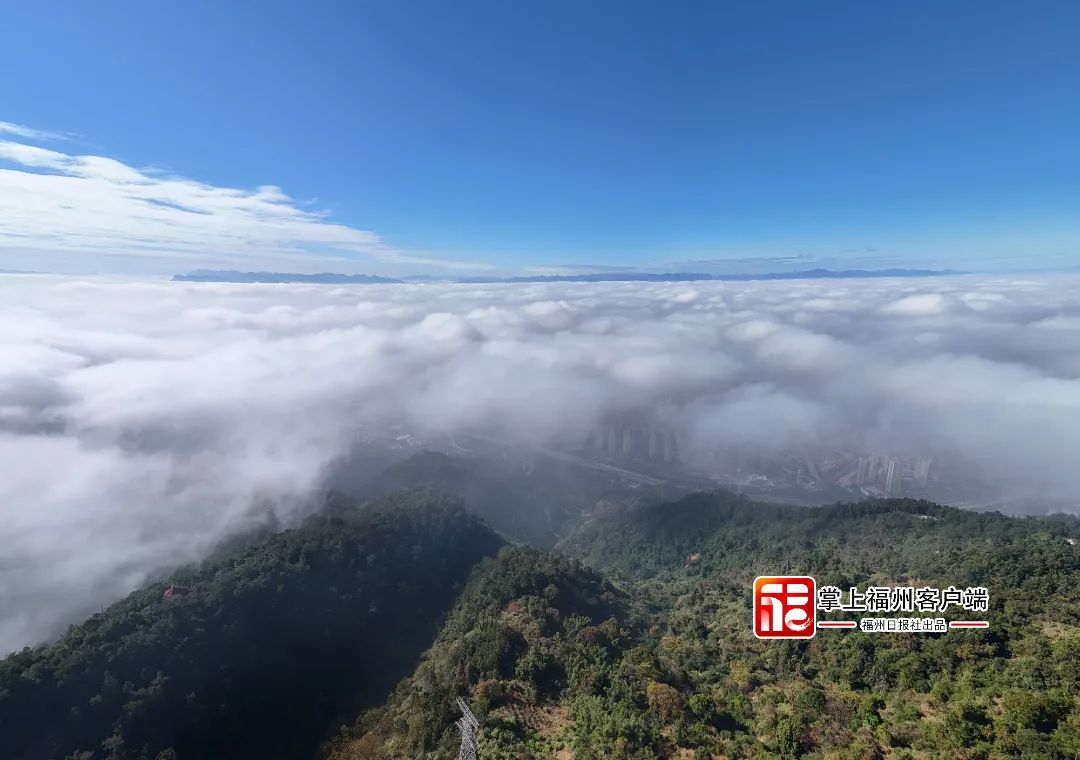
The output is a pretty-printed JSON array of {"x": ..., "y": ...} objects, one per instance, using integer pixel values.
[{"x": 141, "y": 421}]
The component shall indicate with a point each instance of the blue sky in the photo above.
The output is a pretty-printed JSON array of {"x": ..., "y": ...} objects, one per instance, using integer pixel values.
[{"x": 513, "y": 136}]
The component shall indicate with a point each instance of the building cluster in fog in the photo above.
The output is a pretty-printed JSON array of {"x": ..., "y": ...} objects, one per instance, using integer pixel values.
[
  {"x": 622, "y": 441},
  {"x": 892, "y": 475},
  {"x": 823, "y": 471}
]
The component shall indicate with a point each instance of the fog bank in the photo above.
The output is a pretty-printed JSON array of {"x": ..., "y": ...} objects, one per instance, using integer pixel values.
[{"x": 140, "y": 422}]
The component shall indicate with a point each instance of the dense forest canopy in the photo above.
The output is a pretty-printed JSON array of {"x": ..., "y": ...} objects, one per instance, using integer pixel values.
[
  {"x": 675, "y": 671},
  {"x": 267, "y": 647},
  {"x": 631, "y": 639}
]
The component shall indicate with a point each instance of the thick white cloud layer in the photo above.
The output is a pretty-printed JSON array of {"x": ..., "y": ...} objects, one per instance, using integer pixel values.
[{"x": 140, "y": 422}]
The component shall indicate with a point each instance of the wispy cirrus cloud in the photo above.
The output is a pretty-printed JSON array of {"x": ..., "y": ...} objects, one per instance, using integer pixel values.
[
  {"x": 57, "y": 203},
  {"x": 29, "y": 133}
]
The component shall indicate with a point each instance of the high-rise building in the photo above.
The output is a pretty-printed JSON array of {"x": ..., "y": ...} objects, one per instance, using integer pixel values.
[
  {"x": 670, "y": 451},
  {"x": 890, "y": 475},
  {"x": 922, "y": 470},
  {"x": 862, "y": 472}
]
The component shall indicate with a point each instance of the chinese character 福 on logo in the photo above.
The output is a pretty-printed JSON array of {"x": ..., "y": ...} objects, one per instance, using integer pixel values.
[{"x": 784, "y": 607}]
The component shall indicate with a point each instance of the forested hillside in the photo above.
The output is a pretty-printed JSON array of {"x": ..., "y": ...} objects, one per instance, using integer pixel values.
[
  {"x": 531, "y": 633},
  {"x": 256, "y": 654},
  {"x": 632, "y": 640},
  {"x": 535, "y": 501},
  {"x": 898, "y": 536},
  {"x": 673, "y": 670}
]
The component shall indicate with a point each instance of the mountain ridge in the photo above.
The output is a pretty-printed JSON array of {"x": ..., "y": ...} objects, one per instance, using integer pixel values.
[
  {"x": 287, "y": 635},
  {"x": 212, "y": 275},
  {"x": 630, "y": 640}
]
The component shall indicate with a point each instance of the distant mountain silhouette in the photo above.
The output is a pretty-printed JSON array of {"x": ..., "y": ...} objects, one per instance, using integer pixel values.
[
  {"x": 809, "y": 274},
  {"x": 214, "y": 275},
  {"x": 598, "y": 277}
]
